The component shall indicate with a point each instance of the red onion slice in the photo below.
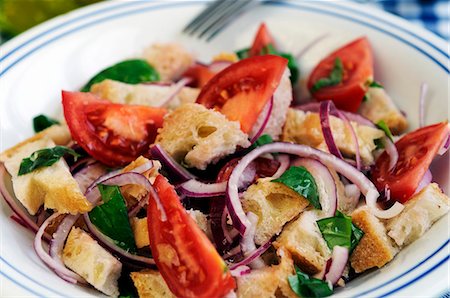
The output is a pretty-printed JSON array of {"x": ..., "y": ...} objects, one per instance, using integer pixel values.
[
  {"x": 229, "y": 235},
  {"x": 423, "y": 94},
  {"x": 352, "y": 194},
  {"x": 240, "y": 271},
  {"x": 59, "y": 237},
  {"x": 444, "y": 147},
  {"x": 176, "y": 88},
  {"x": 339, "y": 260},
  {"x": 268, "y": 111},
  {"x": 12, "y": 203},
  {"x": 391, "y": 150},
  {"x": 325, "y": 181},
  {"x": 248, "y": 241},
  {"x": 197, "y": 189},
  {"x": 87, "y": 175},
  {"x": 252, "y": 256},
  {"x": 218, "y": 66},
  {"x": 56, "y": 266},
  {"x": 324, "y": 113},
  {"x": 425, "y": 181},
  {"x": 240, "y": 220},
  {"x": 108, "y": 243},
  {"x": 284, "y": 165},
  {"x": 309, "y": 46},
  {"x": 175, "y": 170}
]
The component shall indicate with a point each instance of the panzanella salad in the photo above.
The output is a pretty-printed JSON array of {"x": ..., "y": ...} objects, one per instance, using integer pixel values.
[{"x": 172, "y": 178}]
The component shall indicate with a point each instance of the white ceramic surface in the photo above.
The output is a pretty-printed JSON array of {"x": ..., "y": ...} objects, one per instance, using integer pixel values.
[{"x": 65, "y": 52}]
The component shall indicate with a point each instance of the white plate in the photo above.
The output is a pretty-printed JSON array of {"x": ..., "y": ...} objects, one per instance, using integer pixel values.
[{"x": 65, "y": 52}]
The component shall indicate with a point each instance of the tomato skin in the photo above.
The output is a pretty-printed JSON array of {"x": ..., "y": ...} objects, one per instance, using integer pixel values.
[
  {"x": 241, "y": 90},
  {"x": 187, "y": 260},
  {"x": 357, "y": 59},
  {"x": 416, "y": 151},
  {"x": 200, "y": 74},
  {"x": 262, "y": 40},
  {"x": 114, "y": 134}
]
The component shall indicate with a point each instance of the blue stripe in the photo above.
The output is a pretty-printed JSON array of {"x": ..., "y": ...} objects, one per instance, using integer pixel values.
[
  {"x": 279, "y": 3},
  {"x": 31, "y": 279},
  {"x": 406, "y": 272},
  {"x": 417, "y": 278},
  {"x": 20, "y": 285}
]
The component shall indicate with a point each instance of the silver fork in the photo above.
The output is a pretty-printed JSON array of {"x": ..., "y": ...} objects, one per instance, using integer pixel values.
[{"x": 216, "y": 16}]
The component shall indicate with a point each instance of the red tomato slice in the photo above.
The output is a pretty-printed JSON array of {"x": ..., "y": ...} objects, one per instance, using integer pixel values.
[
  {"x": 200, "y": 74},
  {"x": 357, "y": 60},
  {"x": 241, "y": 90},
  {"x": 416, "y": 150},
  {"x": 262, "y": 40},
  {"x": 187, "y": 260},
  {"x": 114, "y": 134}
]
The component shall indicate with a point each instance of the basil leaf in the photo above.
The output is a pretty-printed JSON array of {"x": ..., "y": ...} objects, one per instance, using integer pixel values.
[
  {"x": 293, "y": 67},
  {"x": 111, "y": 218},
  {"x": 129, "y": 71},
  {"x": 44, "y": 158},
  {"x": 339, "y": 230},
  {"x": 334, "y": 79},
  {"x": 301, "y": 181},
  {"x": 383, "y": 126},
  {"x": 243, "y": 53},
  {"x": 306, "y": 286},
  {"x": 357, "y": 234},
  {"x": 379, "y": 144},
  {"x": 262, "y": 140},
  {"x": 374, "y": 84},
  {"x": 42, "y": 122}
]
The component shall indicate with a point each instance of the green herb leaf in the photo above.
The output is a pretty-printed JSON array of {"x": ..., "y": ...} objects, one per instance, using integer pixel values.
[
  {"x": 383, "y": 126},
  {"x": 306, "y": 286},
  {"x": 301, "y": 181},
  {"x": 129, "y": 71},
  {"x": 243, "y": 53},
  {"x": 374, "y": 84},
  {"x": 334, "y": 79},
  {"x": 112, "y": 217},
  {"x": 379, "y": 144},
  {"x": 262, "y": 140},
  {"x": 339, "y": 230},
  {"x": 41, "y": 122},
  {"x": 44, "y": 158},
  {"x": 293, "y": 66},
  {"x": 366, "y": 97}
]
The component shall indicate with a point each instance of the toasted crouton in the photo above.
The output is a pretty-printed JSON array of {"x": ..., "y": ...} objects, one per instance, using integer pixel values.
[
  {"x": 197, "y": 136},
  {"x": 269, "y": 281},
  {"x": 226, "y": 56},
  {"x": 379, "y": 106},
  {"x": 304, "y": 128},
  {"x": 275, "y": 204},
  {"x": 303, "y": 240},
  {"x": 420, "y": 212},
  {"x": 86, "y": 257},
  {"x": 140, "y": 227},
  {"x": 59, "y": 134},
  {"x": 282, "y": 99},
  {"x": 141, "y": 94},
  {"x": 170, "y": 60},
  {"x": 52, "y": 186},
  {"x": 133, "y": 192},
  {"x": 150, "y": 284},
  {"x": 375, "y": 248}
]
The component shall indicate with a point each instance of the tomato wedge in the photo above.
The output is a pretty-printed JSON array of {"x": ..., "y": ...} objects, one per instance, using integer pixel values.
[
  {"x": 357, "y": 60},
  {"x": 241, "y": 90},
  {"x": 416, "y": 150},
  {"x": 200, "y": 75},
  {"x": 187, "y": 260},
  {"x": 114, "y": 134},
  {"x": 262, "y": 40}
]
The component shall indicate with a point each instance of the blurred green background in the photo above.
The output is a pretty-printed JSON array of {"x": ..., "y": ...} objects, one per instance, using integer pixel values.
[{"x": 17, "y": 16}]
